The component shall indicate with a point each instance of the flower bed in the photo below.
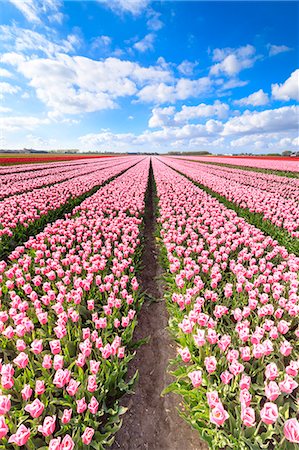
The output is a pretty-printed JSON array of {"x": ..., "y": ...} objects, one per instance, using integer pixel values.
[
  {"x": 16, "y": 183},
  {"x": 25, "y": 208},
  {"x": 281, "y": 163},
  {"x": 233, "y": 303},
  {"x": 276, "y": 198},
  {"x": 68, "y": 305}
]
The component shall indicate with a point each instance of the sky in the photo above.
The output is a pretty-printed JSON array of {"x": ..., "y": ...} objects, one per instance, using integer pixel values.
[{"x": 136, "y": 75}]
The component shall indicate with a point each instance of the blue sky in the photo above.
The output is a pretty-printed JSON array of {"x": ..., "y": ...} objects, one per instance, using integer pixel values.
[{"x": 130, "y": 75}]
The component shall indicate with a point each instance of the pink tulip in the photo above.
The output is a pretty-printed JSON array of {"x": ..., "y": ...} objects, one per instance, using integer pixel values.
[
  {"x": 35, "y": 408},
  {"x": 54, "y": 444},
  {"x": 67, "y": 443},
  {"x": 48, "y": 426},
  {"x": 3, "y": 427},
  {"x": 66, "y": 416},
  {"x": 291, "y": 430},
  {"x": 5, "y": 404},
  {"x": 218, "y": 415},
  {"x": 269, "y": 413},
  {"x": 196, "y": 378},
  {"x": 248, "y": 416},
  {"x": 20, "y": 437},
  {"x": 87, "y": 435},
  {"x": 21, "y": 360},
  {"x": 26, "y": 392}
]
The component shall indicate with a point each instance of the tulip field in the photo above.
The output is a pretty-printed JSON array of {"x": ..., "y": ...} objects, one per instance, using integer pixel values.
[{"x": 71, "y": 242}]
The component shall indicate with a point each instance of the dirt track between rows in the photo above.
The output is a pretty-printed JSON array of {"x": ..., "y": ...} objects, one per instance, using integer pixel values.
[{"x": 152, "y": 422}]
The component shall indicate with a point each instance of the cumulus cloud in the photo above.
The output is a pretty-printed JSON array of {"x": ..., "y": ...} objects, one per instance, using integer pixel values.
[
  {"x": 32, "y": 10},
  {"x": 71, "y": 85},
  {"x": 147, "y": 43},
  {"x": 258, "y": 98},
  {"x": 101, "y": 42},
  {"x": 161, "y": 117},
  {"x": 4, "y": 109},
  {"x": 187, "y": 113},
  {"x": 154, "y": 23},
  {"x": 4, "y": 73},
  {"x": 230, "y": 84},
  {"x": 182, "y": 89},
  {"x": 7, "y": 88},
  {"x": 23, "y": 40},
  {"x": 33, "y": 141},
  {"x": 289, "y": 90},
  {"x": 231, "y": 61},
  {"x": 187, "y": 67},
  {"x": 271, "y": 120},
  {"x": 134, "y": 7},
  {"x": 15, "y": 123},
  {"x": 276, "y": 49},
  {"x": 270, "y": 130}
]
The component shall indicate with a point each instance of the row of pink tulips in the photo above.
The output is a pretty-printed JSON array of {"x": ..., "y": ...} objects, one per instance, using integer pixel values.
[
  {"x": 17, "y": 168},
  {"x": 278, "y": 163},
  {"x": 286, "y": 186},
  {"x": 234, "y": 309},
  {"x": 68, "y": 304},
  {"x": 16, "y": 183},
  {"x": 26, "y": 171},
  {"x": 275, "y": 201},
  {"x": 23, "y": 209}
]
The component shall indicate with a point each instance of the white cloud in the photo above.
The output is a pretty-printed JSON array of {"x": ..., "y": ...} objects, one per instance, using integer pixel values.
[
  {"x": 5, "y": 73},
  {"x": 187, "y": 67},
  {"x": 71, "y": 85},
  {"x": 187, "y": 113},
  {"x": 4, "y": 109},
  {"x": 271, "y": 120},
  {"x": 181, "y": 90},
  {"x": 258, "y": 98},
  {"x": 104, "y": 140},
  {"x": 161, "y": 117},
  {"x": 231, "y": 84},
  {"x": 38, "y": 142},
  {"x": 147, "y": 43},
  {"x": 33, "y": 9},
  {"x": 12, "y": 58},
  {"x": 15, "y": 123},
  {"x": 134, "y": 7},
  {"x": 231, "y": 61},
  {"x": 272, "y": 130},
  {"x": 23, "y": 40},
  {"x": 289, "y": 90},
  {"x": 276, "y": 49},
  {"x": 57, "y": 17},
  {"x": 154, "y": 23},
  {"x": 157, "y": 93},
  {"x": 101, "y": 42},
  {"x": 7, "y": 88},
  {"x": 165, "y": 117}
]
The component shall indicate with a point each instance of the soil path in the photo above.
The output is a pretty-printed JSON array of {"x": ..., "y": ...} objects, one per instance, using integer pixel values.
[{"x": 152, "y": 422}]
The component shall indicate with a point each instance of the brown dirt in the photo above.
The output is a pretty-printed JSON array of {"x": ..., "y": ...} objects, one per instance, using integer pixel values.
[{"x": 152, "y": 422}]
